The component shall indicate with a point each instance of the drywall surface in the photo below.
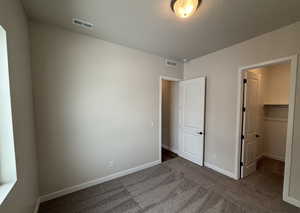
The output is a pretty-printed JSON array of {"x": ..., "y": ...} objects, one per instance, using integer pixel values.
[
  {"x": 275, "y": 134},
  {"x": 274, "y": 89},
  {"x": 96, "y": 106},
  {"x": 221, "y": 69},
  {"x": 170, "y": 115},
  {"x": 25, "y": 193},
  {"x": 277, "y": 84}
]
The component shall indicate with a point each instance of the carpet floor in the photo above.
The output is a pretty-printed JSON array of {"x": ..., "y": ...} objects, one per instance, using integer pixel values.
[{"x": 177, "y": 186}]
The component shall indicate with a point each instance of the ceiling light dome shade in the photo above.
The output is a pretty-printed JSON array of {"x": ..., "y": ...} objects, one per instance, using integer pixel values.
[{"x": 185, "y": 8}]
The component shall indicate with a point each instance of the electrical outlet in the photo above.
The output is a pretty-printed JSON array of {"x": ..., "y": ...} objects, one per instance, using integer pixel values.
[{"x": 110, "y": 164}]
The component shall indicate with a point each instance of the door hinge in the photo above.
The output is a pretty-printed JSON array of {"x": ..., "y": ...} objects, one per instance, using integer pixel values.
[
  {"x": 242, "y": 164},
  {"x": 244, "y": 109},
  {"x": 243, "y": 137},
  {"x": 245, "y": 81}
]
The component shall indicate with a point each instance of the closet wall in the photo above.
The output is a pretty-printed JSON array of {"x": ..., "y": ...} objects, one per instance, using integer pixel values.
[
  {"x": 170, "y": 115},
  {"x": 276, "y": 82},
  {"x": 273, "y": 110}
]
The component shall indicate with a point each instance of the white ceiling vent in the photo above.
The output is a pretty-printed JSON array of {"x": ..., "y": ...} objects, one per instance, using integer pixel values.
[
  {"x": 171, "y": 63},
  {"x": 82, "y": 23}
]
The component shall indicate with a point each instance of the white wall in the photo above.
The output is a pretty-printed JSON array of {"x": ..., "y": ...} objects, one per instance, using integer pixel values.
[
  {"x": 25, "y": 193},
  {"x": 221, "y": 69},
  {"x": 170, "y": 115},
  {"x": 95, "y": 102}
]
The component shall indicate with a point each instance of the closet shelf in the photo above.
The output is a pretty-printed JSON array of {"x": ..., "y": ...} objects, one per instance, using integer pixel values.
[{"x": 276, "y": 105}]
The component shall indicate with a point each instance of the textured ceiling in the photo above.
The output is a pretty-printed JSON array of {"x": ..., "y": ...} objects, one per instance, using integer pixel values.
[{"x": 150, "y": 25}]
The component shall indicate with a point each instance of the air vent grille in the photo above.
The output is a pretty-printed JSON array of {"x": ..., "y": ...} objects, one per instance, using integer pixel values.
[
  {"x": 170, "y": 63},
  {"x": 82, "y": 23}
]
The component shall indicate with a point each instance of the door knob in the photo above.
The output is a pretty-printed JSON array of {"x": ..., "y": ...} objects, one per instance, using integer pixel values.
[{"x": 257, "y": 136}]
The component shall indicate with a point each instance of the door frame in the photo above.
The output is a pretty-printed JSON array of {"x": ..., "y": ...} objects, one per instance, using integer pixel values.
[
  {"x": 292, "y": 95},
  {"x": 161, "y": 78}
]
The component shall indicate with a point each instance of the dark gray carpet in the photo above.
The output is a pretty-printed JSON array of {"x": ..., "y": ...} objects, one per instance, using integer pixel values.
[{"x": 177, "y": 186}]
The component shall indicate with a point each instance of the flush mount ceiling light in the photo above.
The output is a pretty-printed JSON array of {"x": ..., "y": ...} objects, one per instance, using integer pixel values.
[{"x": 185, "y": 8}]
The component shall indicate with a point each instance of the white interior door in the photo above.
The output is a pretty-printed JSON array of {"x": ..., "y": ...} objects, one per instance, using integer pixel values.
[
  {"x": 192, "y": 110},
  {"x": 250, "y": 124}
]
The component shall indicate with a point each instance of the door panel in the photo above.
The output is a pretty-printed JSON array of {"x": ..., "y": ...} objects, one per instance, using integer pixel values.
[
  {"x": 192, "y": 109},
  {"x": 250, "y": 130},
  {"x": 250, "y": 154}
]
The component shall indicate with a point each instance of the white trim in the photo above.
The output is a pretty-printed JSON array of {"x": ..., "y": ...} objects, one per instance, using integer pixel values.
[
  {"x": 220, "y": 170},
  {"x": 88, "y": 184},
  {"x": 5, "y": 190},
  {"x": 292, "y": 201},
  {"x": 290, "y": 130},
  {"x": 37, "y": 206},
  {"x": 161, "y": 78},
  {"x": 294, "y": 69}
]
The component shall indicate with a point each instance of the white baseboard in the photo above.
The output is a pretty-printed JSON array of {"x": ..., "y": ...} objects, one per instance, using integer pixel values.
[
  {"x": 222, "y": 171},
  {"x": 37, "y": 206},
  {"x": 165, "y": 146},
  {"x": 259, "y": 157},
  {"x": 275, "y": 157},
  {"x": 170, "y": 149},
  {"x": 88, "y": 184},
  {"x": 292, "y": 201}
]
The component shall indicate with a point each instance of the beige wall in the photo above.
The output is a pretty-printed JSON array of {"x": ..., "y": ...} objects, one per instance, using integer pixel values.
[
  {"x": 221, "y": 69},
  {"x": 95, "y": 102},
  {"x": 25, "y": 193},
  {"x": 170, "y": 115},
  {"x": 275, "y": 134},
  {"x": 277, "y": 84}
]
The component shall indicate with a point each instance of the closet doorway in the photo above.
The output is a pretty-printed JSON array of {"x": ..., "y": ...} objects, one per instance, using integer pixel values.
[
  {"x": 169, "y": 119},
  {"x": 182, "y": 119},
  {"x": 266, "y": 123}
]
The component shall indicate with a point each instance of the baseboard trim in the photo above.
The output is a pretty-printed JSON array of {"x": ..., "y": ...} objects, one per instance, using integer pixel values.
[
  {"x": 222, "y": 171},
  {"x": 274, "y": 157},
  {"x": 37, "y": 205},
  {"x": 292, "y": 201},
  {"x": 88, "y": 184},
  {"x": 259, "y": 157},
  {"x": 168, "y": 148}
]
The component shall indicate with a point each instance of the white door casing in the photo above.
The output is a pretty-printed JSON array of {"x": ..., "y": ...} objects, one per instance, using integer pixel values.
[
  {"x": 250, "y": 124},
  {"x": 192, "y": 120},
  {"x": 287, "y": 196}
]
